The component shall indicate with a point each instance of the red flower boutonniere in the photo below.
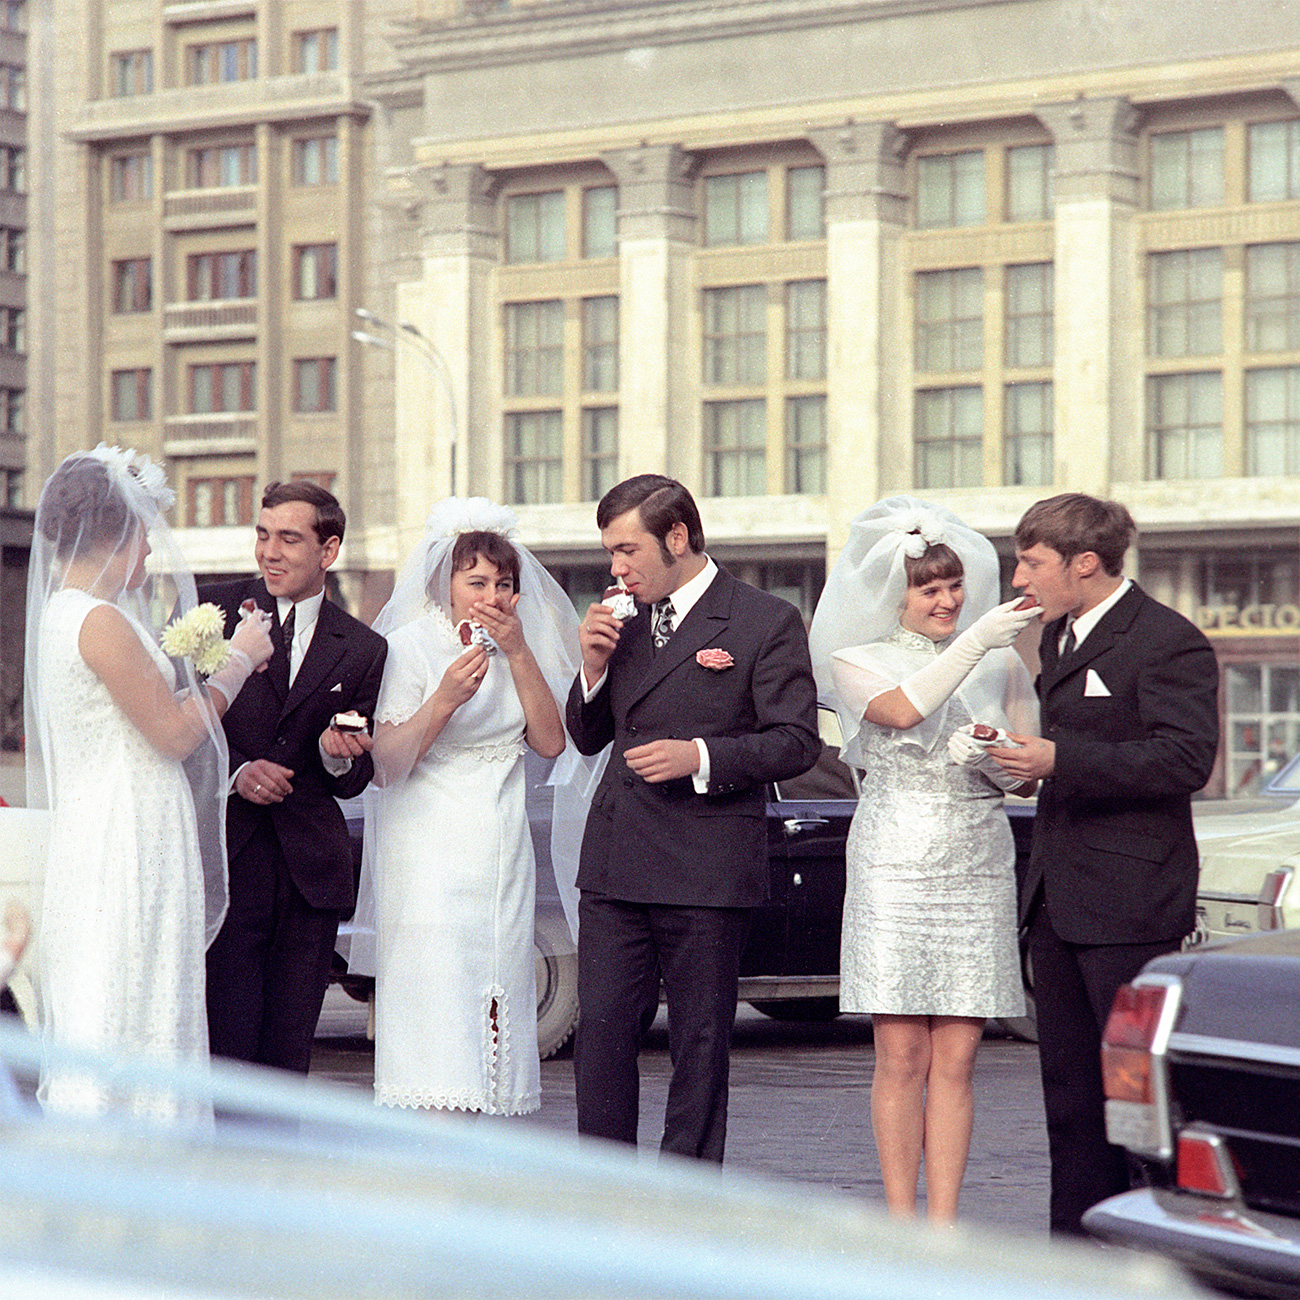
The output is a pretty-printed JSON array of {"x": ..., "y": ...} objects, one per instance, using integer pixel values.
[{"x": 717, "y": 660}]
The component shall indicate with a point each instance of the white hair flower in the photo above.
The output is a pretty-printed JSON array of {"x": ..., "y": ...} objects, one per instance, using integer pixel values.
[
  {"x": 920, "y": 529},
  {"x": 197, "y": 636},
  {"x": 134, "y": 472},
  {"x": 469, "y": 515}
]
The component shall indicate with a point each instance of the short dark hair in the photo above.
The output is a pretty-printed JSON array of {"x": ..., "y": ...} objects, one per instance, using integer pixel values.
[
  {"x": 82, "y": 507},
  {"x": 662, "y": 503},
  {"x": 1072, "y": 523},
  {"x": 490, "y": 546},
  {"x": 938, "y": 560},
  {"x": 330, "y": 519}
]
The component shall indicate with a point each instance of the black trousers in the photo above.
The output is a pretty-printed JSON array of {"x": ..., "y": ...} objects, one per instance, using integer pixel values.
[
  {"x": 1074, "y": 986},
  {"x": 269, "y": 966},
  {"x": 624, "y": 950}
]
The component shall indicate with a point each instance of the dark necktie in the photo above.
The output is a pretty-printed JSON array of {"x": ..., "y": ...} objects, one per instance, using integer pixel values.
[
  {"x": 286, "y": 646},
  {"x": 663, "y": 623},
  {"x": 1067, "y": 646}
]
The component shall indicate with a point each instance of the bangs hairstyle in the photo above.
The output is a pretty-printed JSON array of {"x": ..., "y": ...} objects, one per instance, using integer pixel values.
[
  {"x": 490, "y": 546},
  {"x": 1072, "y": 523},
  {"x": 938, "y": 561}
]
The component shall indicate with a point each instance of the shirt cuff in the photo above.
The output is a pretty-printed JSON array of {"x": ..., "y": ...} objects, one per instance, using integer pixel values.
[
  {"x": 590, "y": 694},
  {"x": 230, "y": 789},
  {"x": 334, "y": 766},
  {"x": 700, "y": 779}
]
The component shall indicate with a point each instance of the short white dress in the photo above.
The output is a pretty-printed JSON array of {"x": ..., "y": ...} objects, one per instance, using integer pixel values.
[
  {"x": 930, "y": 902},
  {"x": 454, "y": 886},
  {"x": 122, "y": 929}
]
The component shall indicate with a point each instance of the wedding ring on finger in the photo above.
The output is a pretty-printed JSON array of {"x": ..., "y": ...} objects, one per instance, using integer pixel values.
[{"x": 257, "y": 789}]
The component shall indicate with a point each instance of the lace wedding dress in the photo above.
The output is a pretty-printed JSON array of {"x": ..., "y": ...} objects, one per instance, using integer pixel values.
[
  {"x": 454, "y": 884},
  {"x": 930, "y": 904},
  {"x": 122, "y": 922}
]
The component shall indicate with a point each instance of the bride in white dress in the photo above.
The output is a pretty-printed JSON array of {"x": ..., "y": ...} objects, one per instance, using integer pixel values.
[
  {"x": 133, "y": 770},
  {"x": 910, "y": 649},
  {"x": 448, "y": 867}
]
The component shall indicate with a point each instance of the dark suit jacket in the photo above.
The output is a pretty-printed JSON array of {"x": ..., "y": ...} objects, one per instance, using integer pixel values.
[
  {"x": 261, "y": 723},
  {"x": 665, "y": 843},
  {"x": 1113, "y": 846}
]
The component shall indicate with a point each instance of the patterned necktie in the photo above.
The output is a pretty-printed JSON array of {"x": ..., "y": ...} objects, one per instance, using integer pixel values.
[
  {"x": 286, "y": 644},
  {"x": 663, "y": 622}
]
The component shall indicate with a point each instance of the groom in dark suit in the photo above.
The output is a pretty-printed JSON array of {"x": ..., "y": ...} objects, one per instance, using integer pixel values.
[
  {"x": 290, "y": 858},
  {"x": 1130, "y": 728},
  {"x": 707, "y": 694}
]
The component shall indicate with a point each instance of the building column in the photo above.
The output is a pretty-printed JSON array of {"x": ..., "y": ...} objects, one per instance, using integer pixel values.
[
  {"x": 447, "y": 439},
  {"x": 866, "y": 355},
  {"x": 1097, "y": 400},
  {"x": 658, "y": 376}
]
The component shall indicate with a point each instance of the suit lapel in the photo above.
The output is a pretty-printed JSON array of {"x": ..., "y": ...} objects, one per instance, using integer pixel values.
[
  {"x": 327, "y": 646},
  {"x": 707, "y": 618},
  {"x": 1113, "y": 626}
]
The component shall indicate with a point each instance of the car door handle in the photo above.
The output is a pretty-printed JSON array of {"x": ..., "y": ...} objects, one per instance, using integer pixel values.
[{"x": 797, "y": 825}]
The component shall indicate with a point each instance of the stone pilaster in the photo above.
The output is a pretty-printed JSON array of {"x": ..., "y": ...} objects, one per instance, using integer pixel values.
[
  {"x": 866, "y": 356},
  {"x": 447, "y": 438},
  {"x": 1097, "y": 397},
  {"x": 658, "y": 406}
]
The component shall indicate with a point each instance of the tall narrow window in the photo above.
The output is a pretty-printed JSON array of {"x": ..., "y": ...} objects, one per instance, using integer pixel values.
[
  {"x": 316, "y": 160},
  {"x": 534, "y": 462},
  {"x": 314, "y": 385},
  {"x": 950, "y": 189},
  {"x": 600, "y": 344},
  {"x": 223, "y": 386},
  {"x": 735, "y": 448},
  {"x": 13, "y": 329},
  {"x": 133, "y": 284},
  {"x": 1273, "y": 166},
  {"x": 316, "y": 51},
  {"x": 132, "y": 394},
  {"x": 1029, "y": 182},
  {"x": 315, "y": 271},
  {"x": 1027, "y": 435},
  {"x": 1273, "y": 421},
  {"x": 1273, "y": 298},
  {"x": 950, "y": 320},
  {"x": 1029, "y": 315},
  {"x": 1187, "y": 169},
  {"x": 13, "y": 411},
  {"x": 534, "y": 347},
  {"x": 949, "y": 437},
  {"x": 805, "y": 204},
  {"x": 805, "y": 444},
  {"x": 599, "y": 451},
  {"x": 130, "y": 176},
  {"x": 600, "y": 221},
  {"x": 805, "y": 329},
  {"x": 735, "y": 209},
  {"x": 1185, "y": 426},
  {"x": 535, "y": 227},
  {"x": 131, "y": 72},
  {"x": 735, "y": 335},
  {"x": 1185, "y": 303}
]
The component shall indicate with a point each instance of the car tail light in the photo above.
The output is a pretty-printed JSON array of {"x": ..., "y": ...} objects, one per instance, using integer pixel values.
[
  {"x": 1132, "y": 1065},
  {"x": 1205, "y": 1165}
]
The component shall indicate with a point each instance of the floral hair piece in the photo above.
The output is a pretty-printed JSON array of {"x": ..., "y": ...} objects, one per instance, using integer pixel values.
[
  {"x": 458, "y": 515},
  {"x": 133, "y": 472}
]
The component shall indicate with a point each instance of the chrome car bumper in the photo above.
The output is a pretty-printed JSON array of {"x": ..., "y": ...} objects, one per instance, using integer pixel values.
[{"x": 1247, "y": 1249}]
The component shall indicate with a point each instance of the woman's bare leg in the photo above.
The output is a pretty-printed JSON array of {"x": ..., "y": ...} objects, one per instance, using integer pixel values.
[
  {"x": 949, "y": 1111},
  {"x": 902, "y": 1049}
]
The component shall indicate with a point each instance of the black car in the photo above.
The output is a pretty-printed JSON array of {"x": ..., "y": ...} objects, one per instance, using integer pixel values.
[
  {"x": 1202, "y": 1064},
  {"x": 790, "y": 967}
]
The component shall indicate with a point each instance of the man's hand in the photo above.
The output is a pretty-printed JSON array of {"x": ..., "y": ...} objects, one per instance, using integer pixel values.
[
  {"x": 664, "y": 760},
  {"x": 597, "y": 637},
  {"x": 1033, "y": 761},
  {"x": 261, "y": 781},
  {"x": 345, "y": 744}
]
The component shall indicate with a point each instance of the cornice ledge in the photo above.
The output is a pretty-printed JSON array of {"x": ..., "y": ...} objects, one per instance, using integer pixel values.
[{"x": 584, "y": 27}]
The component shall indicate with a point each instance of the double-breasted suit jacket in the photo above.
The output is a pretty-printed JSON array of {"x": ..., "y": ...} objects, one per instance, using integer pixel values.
[
  {"x": 342, "y": 670},
  {"x": 1133, "y": 713},
  {"x": 666, "y": 843}
]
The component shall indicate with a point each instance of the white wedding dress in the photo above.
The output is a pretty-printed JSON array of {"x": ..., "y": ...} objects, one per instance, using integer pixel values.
[
  {"x": 122, "y": 920},
  {"x": 454, "y": 885}
]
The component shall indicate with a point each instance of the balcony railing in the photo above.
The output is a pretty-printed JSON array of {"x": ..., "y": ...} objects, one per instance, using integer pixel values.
[
  {"x": 231, "y": 318},
  {"x": 228, "y": 206},
  {"x": 216, "y": 433}
]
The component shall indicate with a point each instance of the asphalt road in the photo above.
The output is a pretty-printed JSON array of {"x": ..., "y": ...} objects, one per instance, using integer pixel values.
[{"x": 799, "y": 1107}]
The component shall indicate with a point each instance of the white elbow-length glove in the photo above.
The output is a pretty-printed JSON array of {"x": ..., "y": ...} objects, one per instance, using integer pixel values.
[{"x": 928, "y": 687}]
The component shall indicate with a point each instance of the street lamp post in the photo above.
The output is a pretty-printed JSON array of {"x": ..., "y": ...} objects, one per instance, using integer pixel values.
[{"x": 391, "y": 337}]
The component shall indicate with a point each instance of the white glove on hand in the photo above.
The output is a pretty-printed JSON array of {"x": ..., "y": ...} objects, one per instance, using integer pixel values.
[
  {"x": 253, "y": 636},
  {"x": 928, "y": 687},
  {"x": 966, "y": 751}
]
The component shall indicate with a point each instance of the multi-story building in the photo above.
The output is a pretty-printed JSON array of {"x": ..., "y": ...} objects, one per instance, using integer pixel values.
[{"x": 798, "y": 253}]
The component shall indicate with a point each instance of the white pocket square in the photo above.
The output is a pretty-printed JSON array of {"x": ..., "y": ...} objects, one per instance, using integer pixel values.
[
  {"x": 338, "y": 686},
  {"x": 1093, "y": 685}
]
